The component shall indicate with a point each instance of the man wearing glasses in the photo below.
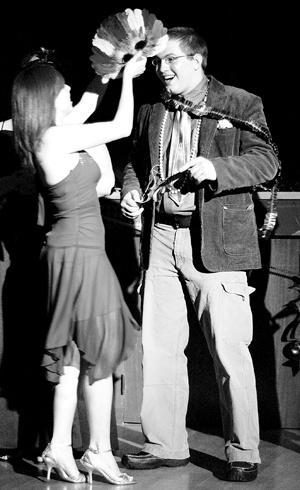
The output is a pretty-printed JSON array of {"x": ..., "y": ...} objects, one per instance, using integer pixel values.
[{"x": 198, "y": 153}]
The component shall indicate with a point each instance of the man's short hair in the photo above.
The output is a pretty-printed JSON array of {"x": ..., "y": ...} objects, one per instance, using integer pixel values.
[{"x": 190, "y": 41}]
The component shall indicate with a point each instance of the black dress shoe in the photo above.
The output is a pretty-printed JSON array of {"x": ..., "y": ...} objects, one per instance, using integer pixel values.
[
  {"x": 241, "y": 471},
  {"x": 147, "y": 461}
]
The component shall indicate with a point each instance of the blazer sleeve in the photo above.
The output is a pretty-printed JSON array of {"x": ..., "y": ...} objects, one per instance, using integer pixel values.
[
  {"x": 136, "y": 171},
  {"x": 249, "y": 160}
]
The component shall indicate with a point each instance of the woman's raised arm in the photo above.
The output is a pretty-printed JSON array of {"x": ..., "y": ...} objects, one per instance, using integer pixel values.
[{"x": 68, "y": 138}]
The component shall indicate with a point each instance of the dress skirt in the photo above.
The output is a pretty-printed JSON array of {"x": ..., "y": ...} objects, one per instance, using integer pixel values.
[{"x": 88, "y": 318}]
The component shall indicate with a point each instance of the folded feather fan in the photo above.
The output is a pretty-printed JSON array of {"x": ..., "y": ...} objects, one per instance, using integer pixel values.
[{"x": 121, "y": 36}]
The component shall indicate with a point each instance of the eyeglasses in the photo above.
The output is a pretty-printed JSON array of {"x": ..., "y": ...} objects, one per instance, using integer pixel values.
[{"x": 169, "y": 60}]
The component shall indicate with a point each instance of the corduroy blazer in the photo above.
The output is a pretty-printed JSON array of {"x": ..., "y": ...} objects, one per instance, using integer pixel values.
[{"x": 224, "y": 229}]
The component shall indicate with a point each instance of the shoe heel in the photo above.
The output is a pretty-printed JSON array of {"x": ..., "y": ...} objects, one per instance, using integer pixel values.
[
  {"x": 119, "y": 479},
  {"x": 49, "y": 469},
  {"x": 90, "y": 477},
  {"x": 89, "y": 470},
  {"x": 51, "y": 461}
]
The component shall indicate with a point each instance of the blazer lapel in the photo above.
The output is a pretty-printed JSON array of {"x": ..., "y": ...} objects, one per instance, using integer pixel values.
[
  {"x": 216, "y": 98},
  {"x": 155, "y": 123}
]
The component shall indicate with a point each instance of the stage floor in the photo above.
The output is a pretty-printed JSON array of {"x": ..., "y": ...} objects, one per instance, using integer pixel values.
[{"x": 280, "y": 468}]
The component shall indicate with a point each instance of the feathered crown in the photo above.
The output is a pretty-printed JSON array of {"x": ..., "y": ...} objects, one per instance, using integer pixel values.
[{"x": 121, "y": 35}]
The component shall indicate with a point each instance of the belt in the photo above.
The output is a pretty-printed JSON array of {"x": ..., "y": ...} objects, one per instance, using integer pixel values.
[{"x": 175, "y": 220}]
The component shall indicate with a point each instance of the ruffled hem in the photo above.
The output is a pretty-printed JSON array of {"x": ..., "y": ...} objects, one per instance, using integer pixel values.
[{"x": 103, "y": 342}]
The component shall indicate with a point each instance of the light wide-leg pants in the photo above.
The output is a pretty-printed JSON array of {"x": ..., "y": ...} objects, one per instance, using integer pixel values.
[{"x": 221, "y": 302}]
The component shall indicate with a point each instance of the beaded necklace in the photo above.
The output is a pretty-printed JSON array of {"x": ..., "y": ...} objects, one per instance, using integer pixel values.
[{"x": 194, "y": 147}]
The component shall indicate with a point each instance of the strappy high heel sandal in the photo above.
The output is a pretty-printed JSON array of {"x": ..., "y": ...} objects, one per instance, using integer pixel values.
[
  {"x": 51, "y": 461},
  {"x": 94, "y": 465}
]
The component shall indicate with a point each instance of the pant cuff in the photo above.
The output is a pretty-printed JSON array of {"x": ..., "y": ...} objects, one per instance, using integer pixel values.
[
  {"x": 249, "y": 455},
  {"x": 162, "y": 452}
]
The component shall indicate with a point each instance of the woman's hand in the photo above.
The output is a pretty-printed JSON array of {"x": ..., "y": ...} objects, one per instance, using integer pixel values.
[{"x": 135, "y": 66}]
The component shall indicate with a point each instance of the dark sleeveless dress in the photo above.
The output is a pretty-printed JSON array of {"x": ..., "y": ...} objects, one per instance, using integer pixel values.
[{"x": 87, "y": 315}]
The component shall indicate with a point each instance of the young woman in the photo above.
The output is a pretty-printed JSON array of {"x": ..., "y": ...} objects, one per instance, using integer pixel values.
[{"x": 89, "y": 327}]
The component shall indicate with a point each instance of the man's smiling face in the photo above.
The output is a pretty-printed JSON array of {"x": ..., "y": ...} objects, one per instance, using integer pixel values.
[{"x": 178, "y": 70}]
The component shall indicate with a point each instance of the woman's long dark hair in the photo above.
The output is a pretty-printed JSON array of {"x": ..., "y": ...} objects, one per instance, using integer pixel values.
[{"x": 34, "y": 91}]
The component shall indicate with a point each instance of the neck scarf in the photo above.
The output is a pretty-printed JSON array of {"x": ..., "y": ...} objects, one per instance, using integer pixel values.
[
  {"x": 180, "y": 148},
  {"x": 180, "y": 142}
]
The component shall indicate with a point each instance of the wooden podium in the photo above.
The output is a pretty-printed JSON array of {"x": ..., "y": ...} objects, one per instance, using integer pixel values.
[{"x": 275, "y": 313}]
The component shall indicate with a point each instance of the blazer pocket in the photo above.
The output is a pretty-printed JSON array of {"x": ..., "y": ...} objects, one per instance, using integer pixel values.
[
  {"x": 224, "y": 142},
  {"x": 239, "y": 230}
]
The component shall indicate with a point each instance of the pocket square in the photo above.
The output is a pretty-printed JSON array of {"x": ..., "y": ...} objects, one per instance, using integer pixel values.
[{"x": 224, "y": 124}]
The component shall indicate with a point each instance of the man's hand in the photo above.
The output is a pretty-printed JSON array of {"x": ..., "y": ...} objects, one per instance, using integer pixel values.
[
  {"x": 200, "y": 169},
  {"x": 130, "y": 205}
]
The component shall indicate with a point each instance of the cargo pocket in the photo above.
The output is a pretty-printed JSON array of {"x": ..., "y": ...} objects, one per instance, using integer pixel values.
[
  {"x": 238, "y": 316},
  {"x": 238, "y": 288}
]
